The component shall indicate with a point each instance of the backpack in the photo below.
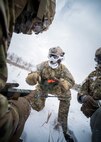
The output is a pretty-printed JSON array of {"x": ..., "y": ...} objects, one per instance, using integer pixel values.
[{"x": 37, "y": 16}]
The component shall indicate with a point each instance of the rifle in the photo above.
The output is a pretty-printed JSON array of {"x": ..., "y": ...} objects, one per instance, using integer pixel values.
[
  {"x": 23, "y": 92},
  {"x": 10, "y": 92}
]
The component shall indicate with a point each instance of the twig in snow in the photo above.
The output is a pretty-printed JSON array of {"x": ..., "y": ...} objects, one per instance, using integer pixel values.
[{"x": 49, "y": 115}]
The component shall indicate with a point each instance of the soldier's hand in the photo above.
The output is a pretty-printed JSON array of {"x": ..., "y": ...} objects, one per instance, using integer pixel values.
[
  {"x": 33, "y": 78},
  {"x": 89, "y": 105},
  {"x": 87, "y": 98},
  {"x": 64, "y": 83}
]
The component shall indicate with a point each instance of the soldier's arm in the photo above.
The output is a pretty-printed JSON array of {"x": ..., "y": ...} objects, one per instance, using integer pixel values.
[
  {"x": 89, "y": 105},
  {"x": 13, "y": 115},
  {"x": 67, "y": 79},
  {"x": 85, "y": 89},
  {"x": 34, "y": 77}
]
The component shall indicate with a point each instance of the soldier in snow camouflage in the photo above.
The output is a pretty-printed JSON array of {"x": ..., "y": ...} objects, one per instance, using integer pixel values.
[
  {"x": 90, "y": 96},
  {"x": 52, "y": 77}
]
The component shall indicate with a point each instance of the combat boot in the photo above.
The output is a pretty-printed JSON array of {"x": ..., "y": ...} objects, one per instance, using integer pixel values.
[{"x": 68, "y": 137}]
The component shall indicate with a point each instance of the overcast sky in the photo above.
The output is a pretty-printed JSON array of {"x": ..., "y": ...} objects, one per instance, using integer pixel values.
[{"x": 76, "y": 29}]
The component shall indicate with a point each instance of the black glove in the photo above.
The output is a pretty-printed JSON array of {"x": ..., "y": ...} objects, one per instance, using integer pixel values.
[{"x": 89, "y": 106}]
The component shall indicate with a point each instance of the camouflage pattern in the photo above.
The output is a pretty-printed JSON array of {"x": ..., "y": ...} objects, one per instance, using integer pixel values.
[
  {"x": 12, "y": 119},
  {"x": 36, "y": 17},
  {"x": 92, "y": 87},
  {"x": 14, "y": 16},
  {"x": 32, "y": 78},
  {"x": 44, "y": 88},
  {"x": 63, "y": 114},
  {"x": 8, "y": 16},
  {"x": 56, "y": 51}
]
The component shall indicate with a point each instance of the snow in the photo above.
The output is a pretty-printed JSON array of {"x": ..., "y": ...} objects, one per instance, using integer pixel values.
[
  {"x": 76, "y": 29},
  {"x": 39, "y": 128}
]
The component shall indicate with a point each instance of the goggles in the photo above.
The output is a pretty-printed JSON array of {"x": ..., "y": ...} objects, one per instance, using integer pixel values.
[{"x": 55, "y": 58}]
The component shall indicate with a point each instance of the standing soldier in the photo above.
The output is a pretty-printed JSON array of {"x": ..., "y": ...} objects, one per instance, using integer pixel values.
[
  {"x": 53, "y": 78},
  {"x": 90, "y": 97}
]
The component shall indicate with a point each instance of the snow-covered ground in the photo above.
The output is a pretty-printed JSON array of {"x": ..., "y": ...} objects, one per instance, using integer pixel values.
[{"x": 41, "y": 126}]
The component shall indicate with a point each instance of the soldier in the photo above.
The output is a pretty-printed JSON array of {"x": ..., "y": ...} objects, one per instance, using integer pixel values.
[
  {"x": 90, "y": 97},
  {"x": 52, "y": 77},
  {"x": 18, "y": 16},
  {"x": 21, "y": 16}
]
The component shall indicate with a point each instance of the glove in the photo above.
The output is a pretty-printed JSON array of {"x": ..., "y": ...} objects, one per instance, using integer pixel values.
[
  {"x": 33, "y": 78},
  {"x": 64, "y": 83},
  {"x": 89, "y": 106}
]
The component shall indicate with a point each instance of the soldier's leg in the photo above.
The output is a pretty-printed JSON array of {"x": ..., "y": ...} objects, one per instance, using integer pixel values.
[
  {"x": 95, "y": 123},
  {"x": 63, "y": 118},
  {"x": 63, "y": 114},
  {"x": 37, "y": 100}
]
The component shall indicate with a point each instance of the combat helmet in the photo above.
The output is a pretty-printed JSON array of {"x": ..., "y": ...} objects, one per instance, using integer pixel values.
[
  {"x": 56, "y": 51},
  {"x": 98, "y": 56}
]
